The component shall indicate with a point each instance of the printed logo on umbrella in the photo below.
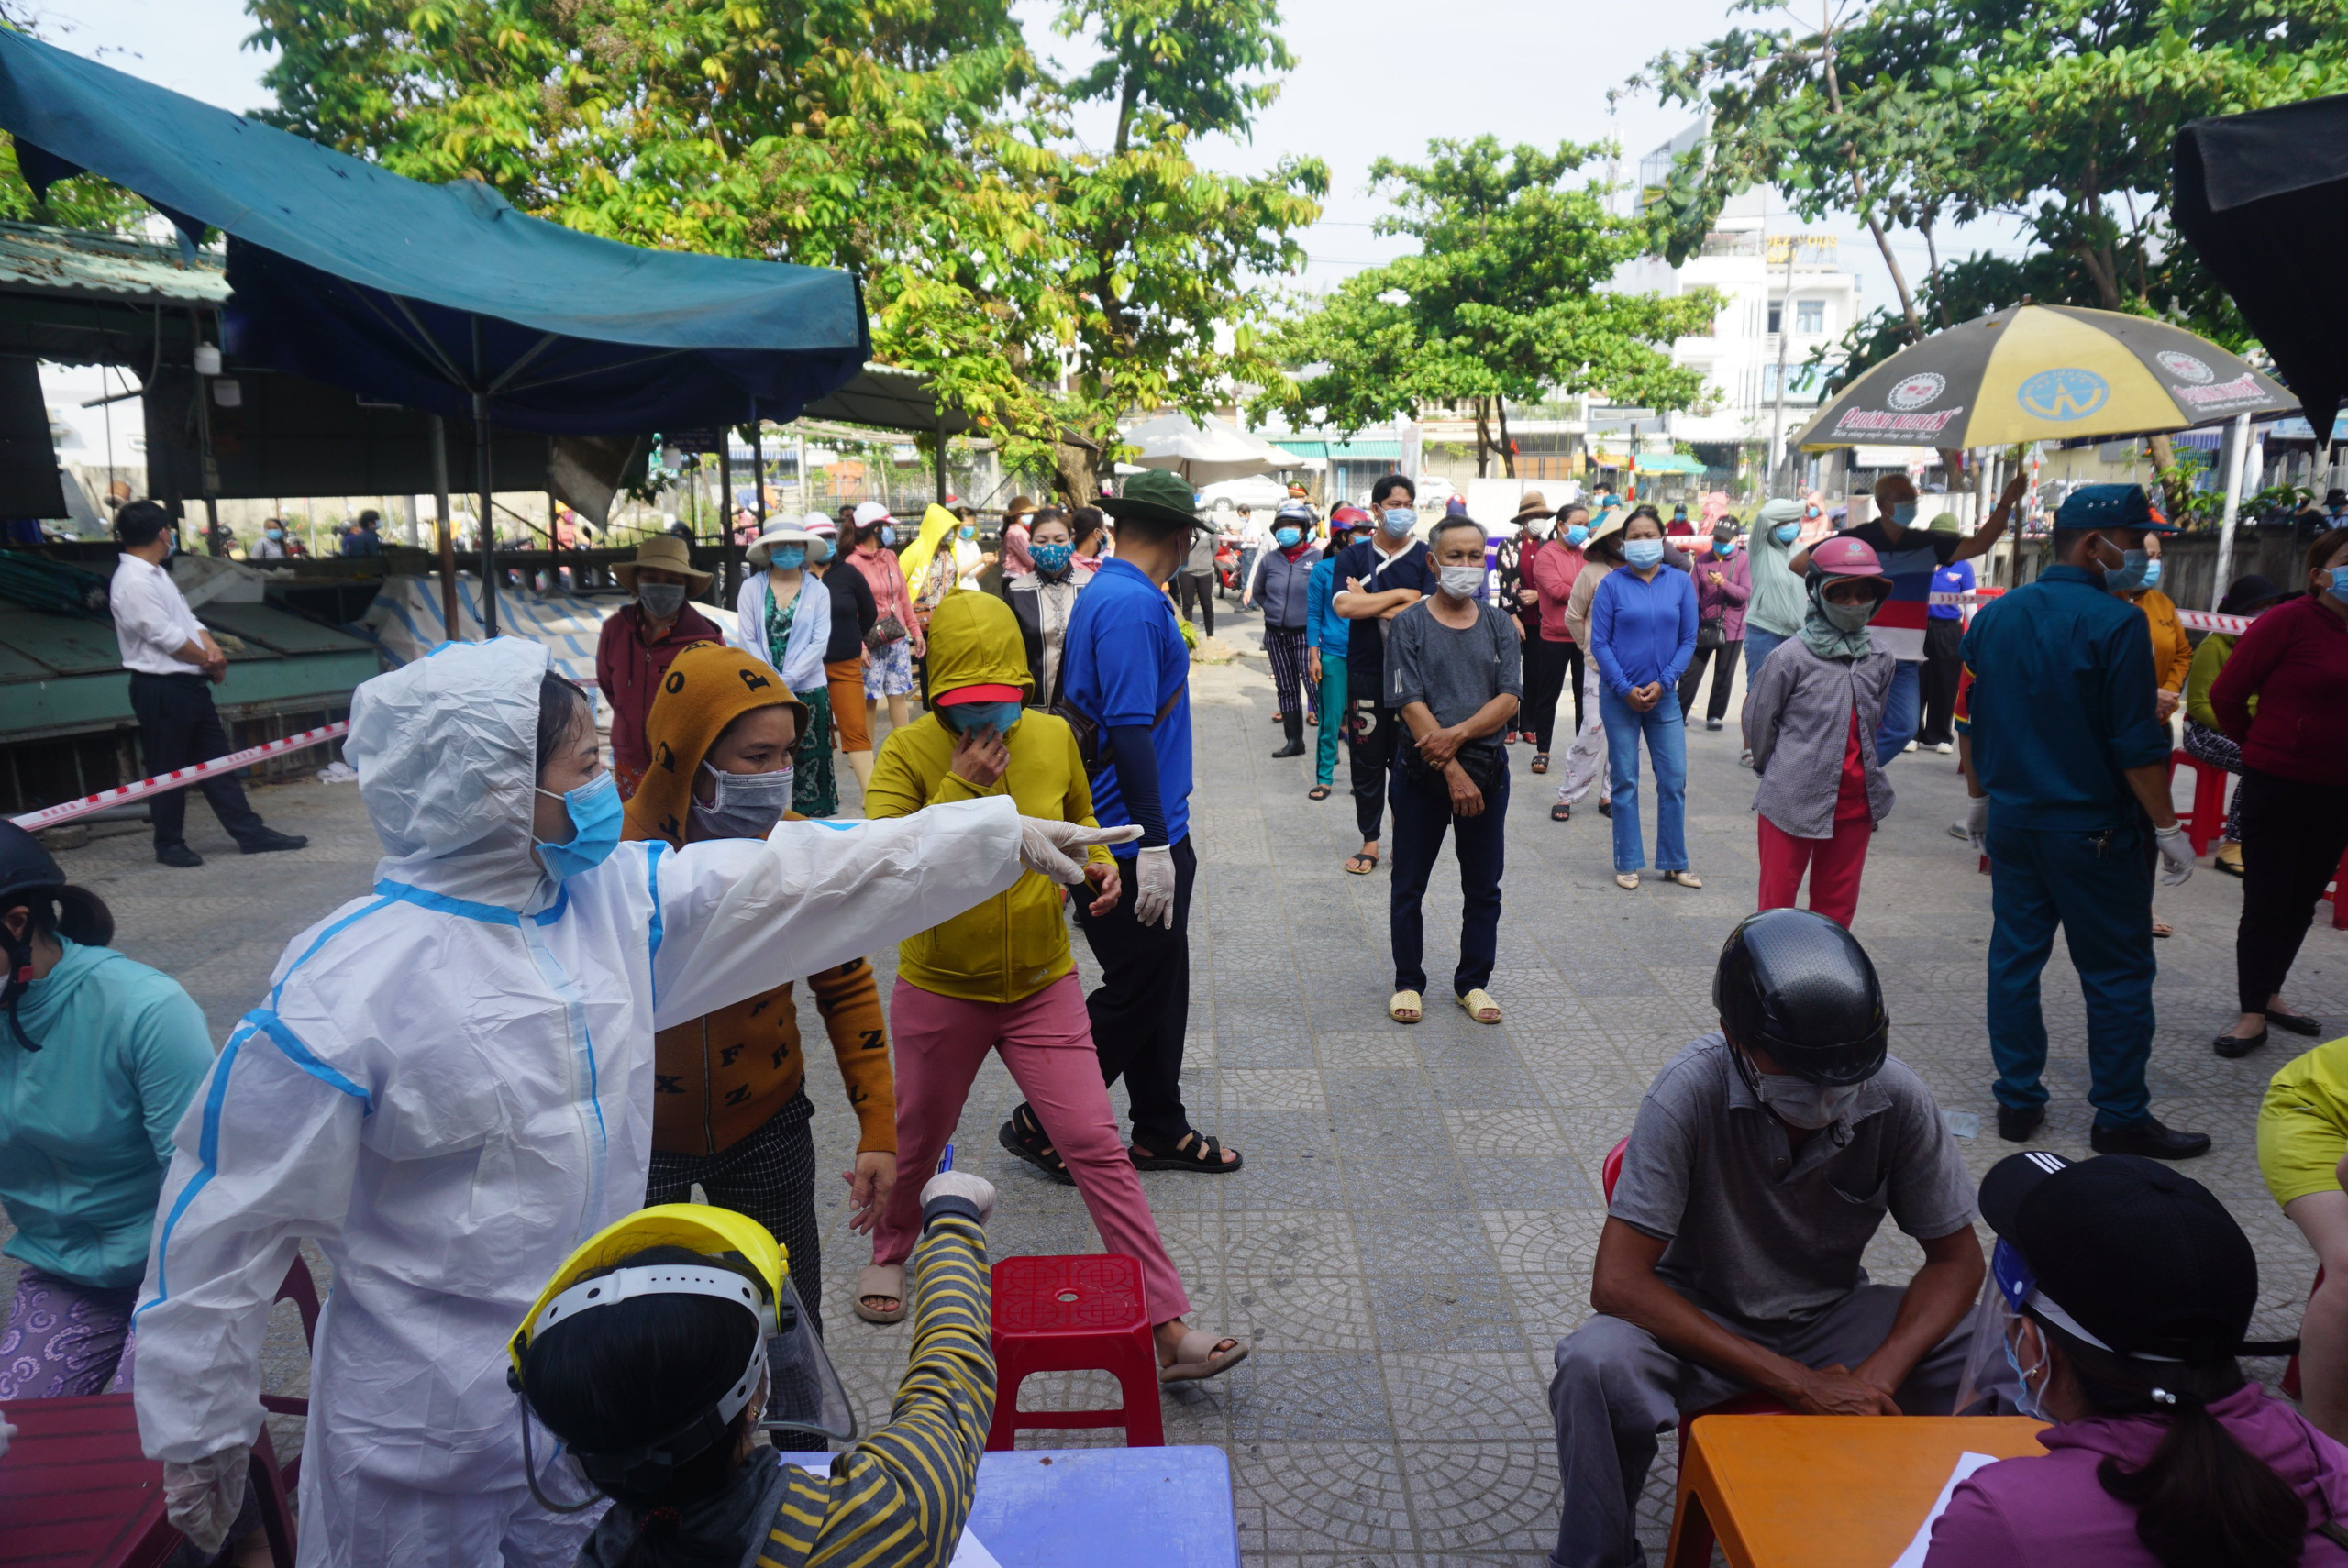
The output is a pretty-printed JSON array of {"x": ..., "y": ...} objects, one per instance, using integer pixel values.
[
  {"x": 2064, "y": 394},
  {"x": 2185, "y": 367},
  {"x": 1917, "y": 390}
]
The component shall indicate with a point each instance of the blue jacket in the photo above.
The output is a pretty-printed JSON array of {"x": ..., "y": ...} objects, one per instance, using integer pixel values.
[
  {"x": 1643, "y": 631},
  {"x": 1323, "y": 627},
  {"x": 86, "y": 1122},
  {"x": 2061, "y": 704}
]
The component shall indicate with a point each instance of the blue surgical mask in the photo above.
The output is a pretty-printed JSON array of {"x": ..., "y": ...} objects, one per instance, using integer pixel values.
[
  {"x": 1575, "y": 534},
  {"x": 1051, "y": 560},
  {"x": 1644, "y": 553},
  {"x": 888, "y": 535},
  {"x": 1724, "y": 547},
  {"x": 2339, "y": 589},
  {"x": 786, "y": 558},
  {"x": 274, "y": 532},
  {"x": 1903, "y": 512},
  {"x": 1289, "y": 538},
  {"x": 2131, "y": 575},
  {"x": 819, "y": 549},
  {"x": 2027, "y": 1401},
  {"x": 971, "y": 717},
  {"x": 965, "y": 532},
  {"x": 595, "y": 812},
  {"x": 1398, "y": 521},
  {"x": 1786, "y": 533},
  {"x": 2151, "y": 574}
]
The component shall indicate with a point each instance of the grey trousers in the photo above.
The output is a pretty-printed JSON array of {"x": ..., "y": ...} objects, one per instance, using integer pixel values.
[{"x": 1617, "y": 1388}]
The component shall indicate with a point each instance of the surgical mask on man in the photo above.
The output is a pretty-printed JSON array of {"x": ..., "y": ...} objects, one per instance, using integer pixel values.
[
  {"x": 661, "y": 601},
  {"x": 595, "y": 813},
  {"x": 1287, "y": 538},
  {"x": 967, "y": 531},
  {"x": 1577, "y": 535},
  {"x": 747, "y": 805},
  {"x": 971, "y": 717},
  {"x": 1786, "y": 533},
  {"x": 1051, "y": 560},
  {"x": 1462, "y": 582},
  {"x": 2131, "y": 574},
  {"x": 1903, "y": 512},
  {"x": 1797, "y": 1102},
  {"x": 786, "y": 558},
  {"x": 1644, "y": 553},
  {"x": 1398, "y": 521}
]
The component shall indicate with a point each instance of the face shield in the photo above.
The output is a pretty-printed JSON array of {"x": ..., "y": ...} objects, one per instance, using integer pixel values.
[
  {"x": 787, "y": 1373},
  {"x": 2005, "y": 1359}
]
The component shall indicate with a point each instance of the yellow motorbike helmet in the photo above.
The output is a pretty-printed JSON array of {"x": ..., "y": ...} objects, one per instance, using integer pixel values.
[{"x": 747, "y": 1265}]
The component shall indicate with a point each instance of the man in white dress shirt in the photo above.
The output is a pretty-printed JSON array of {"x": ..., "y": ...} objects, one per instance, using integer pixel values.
[{"x": 171, "y": 658}]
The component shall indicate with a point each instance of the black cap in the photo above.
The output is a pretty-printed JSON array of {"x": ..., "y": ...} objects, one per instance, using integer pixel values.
[{"x": 2141, "y": 1257}]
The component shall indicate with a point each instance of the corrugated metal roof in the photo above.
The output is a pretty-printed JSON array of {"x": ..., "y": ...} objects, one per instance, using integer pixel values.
[{"x": 71, "y": 263}]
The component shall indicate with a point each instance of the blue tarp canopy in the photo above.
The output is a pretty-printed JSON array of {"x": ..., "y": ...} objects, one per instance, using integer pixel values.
[{"x": 428, "y": 294}]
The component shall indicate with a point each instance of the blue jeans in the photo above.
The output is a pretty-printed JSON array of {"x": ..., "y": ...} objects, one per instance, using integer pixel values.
[
  {"x": 1667, "y": 740},
  {"x": 1902, "y": 709},
  {"x": 1758, "y": 645},
  {"x": 2103, "y": 902},
  {"x": 1421, "y": 814}
]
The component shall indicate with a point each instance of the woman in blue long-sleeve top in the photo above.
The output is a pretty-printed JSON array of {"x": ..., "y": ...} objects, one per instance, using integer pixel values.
[
  {"x": 1324, "y": 647},
  {"x": 1642, "y": 634}
]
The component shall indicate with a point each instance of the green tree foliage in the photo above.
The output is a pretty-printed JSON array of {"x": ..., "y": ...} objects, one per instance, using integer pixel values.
[
  {"x": 916, "y": 142},
  {"x": 1507, "y": 298}
]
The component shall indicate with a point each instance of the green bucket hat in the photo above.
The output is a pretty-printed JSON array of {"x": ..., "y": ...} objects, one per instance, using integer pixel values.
[{"x": 1155, "y": 495}]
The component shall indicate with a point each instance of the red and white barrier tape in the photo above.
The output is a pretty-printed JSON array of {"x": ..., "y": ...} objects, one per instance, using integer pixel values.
[
  {"x": 2191, "y": 620},
  {"x": 179, "y": 777}
]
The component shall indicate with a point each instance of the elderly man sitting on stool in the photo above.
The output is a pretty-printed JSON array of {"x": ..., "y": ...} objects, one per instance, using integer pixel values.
[{"x": 1762, "y": 1161}]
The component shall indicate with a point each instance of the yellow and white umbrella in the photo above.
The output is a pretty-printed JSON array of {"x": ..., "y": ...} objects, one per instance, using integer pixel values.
[{"x": 2044, "y": 374}]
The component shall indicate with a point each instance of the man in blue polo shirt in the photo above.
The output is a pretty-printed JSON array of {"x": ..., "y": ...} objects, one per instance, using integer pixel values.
[
  {"x": 2067, "y": 765},
  {"x": 1123, "y": 665},
  {"x": 1379, "y": 576}
]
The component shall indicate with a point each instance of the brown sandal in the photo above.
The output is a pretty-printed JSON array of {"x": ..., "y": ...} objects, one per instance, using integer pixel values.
[{"x": 1194, "y": 1151}]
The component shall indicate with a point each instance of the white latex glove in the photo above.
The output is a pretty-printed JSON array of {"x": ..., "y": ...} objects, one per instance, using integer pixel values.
[
  {"x": 961, "y": 1183},
  {"x": 2176, "y": 853},
  {"x": 1977, "y": 824},
  {"x": 1154, "y": 886},
  {"x": 1056, "y": 849},
  {"x": 201, "y": 1498}
]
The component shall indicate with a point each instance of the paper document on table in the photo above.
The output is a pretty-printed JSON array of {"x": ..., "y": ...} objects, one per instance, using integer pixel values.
[
  {"x": 1966, "y": 1463},
  {"x": 971, "y": 1552}
]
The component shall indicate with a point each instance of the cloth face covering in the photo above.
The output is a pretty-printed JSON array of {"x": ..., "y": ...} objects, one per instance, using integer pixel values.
[
  {"x": 1461, "y": 582},
  {"x": 969, "y": 718},
  {"x": 661, "y": 601},
  {"x": 1051, "y": 560},
  {"x": 1644, "y": 553},
  {"x": 1837, "y": 631},
  {"x": 747, "y": 805},
  {"x": 595, "y": 813}
]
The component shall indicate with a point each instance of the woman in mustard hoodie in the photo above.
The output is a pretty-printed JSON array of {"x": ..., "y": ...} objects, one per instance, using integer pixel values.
[{"x": 1000, "y": 976}]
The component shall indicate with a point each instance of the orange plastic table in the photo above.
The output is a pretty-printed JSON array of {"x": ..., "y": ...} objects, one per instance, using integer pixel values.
[{"x": 1824, "y": 1491}]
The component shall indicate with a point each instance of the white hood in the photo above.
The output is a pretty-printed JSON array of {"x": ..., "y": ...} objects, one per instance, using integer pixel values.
[{"x": 446, "y": 748}]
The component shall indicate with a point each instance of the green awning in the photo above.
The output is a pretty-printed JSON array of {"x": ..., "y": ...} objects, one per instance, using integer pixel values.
[{"x": 1666, "y": 463}]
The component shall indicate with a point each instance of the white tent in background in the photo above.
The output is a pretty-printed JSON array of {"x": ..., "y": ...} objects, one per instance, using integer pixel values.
[{"x": 1204, "y": 450}]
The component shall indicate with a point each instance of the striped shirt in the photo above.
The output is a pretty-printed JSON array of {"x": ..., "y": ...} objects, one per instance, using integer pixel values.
[{"x": 898, "y": 1499}]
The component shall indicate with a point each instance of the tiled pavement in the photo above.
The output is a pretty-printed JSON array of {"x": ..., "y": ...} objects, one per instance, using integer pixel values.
[{"x": 1416, "y": 1224}]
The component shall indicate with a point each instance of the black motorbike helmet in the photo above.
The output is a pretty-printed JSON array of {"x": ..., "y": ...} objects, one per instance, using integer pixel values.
[
  {"x": 30, "y": 879},
  {"x": 1800, "y": 987}
]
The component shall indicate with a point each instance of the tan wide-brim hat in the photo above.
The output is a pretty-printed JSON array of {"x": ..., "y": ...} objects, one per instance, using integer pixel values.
[
  {"x": 1533, "y": 503},
  {"x": 1614, "y": 522},
  {"x": 663, "y": 552}
]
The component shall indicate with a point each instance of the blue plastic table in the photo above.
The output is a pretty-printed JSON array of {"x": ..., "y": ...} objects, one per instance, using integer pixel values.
[{"x": 1078, "y": 1508}]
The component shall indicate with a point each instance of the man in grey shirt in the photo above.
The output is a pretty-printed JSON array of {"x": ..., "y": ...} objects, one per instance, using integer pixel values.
[
  {"x": 1455, "y": 671},
  {"x": 1764, "y": 1160}
]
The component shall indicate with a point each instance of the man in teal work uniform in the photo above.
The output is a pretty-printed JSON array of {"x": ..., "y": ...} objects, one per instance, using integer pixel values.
[{"x": 2069, "y": 770}]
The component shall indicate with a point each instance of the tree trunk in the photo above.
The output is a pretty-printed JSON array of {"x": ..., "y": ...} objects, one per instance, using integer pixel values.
[
  {"x": 1483, "y": 437},
  {"x": 1508, "y": 447},
  {"x": 1076, "y": 472}
]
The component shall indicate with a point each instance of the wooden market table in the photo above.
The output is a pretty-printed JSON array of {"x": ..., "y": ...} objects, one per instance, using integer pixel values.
[{"x": 1823, "y": 1491}]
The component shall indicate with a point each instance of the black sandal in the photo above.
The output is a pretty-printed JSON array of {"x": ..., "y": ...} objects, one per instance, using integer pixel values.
[
  {"x": 1318, "y": 792},
  {"x": 1561, "y": 813},
  {"x": 1024, "y": 1136},
  {"x": 1194, "y": 1151}
]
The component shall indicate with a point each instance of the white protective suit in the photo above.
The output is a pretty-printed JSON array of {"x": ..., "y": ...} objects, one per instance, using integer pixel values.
[{"x": 450, "y": 1088}]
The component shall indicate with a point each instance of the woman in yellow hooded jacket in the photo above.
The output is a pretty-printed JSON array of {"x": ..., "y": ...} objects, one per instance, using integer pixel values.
[{"x": 1000, "y": 976}]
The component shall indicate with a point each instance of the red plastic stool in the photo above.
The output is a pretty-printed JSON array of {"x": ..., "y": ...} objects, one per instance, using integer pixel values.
[
  {"x": 2338, "y": 894},
  {"x": 2207, "y": 815},
  {"x": 1085, "y": 1313}
]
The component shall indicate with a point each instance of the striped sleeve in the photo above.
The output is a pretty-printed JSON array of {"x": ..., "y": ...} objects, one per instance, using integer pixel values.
[{"x": 898, "y": 1499}]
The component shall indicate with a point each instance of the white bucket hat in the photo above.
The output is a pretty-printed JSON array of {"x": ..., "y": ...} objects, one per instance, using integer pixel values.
[{"x": 780, "y": 532}]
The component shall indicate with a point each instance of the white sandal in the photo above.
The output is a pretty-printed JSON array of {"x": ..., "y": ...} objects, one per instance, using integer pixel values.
[
  {"x": 1479, "y": 1001},
  {"x": 881, "y": 1279},
  {"x": 1402, "y": 1002}
]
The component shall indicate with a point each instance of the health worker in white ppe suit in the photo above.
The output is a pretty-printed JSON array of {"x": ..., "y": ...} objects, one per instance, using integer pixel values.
[{"x": 449, "y": 1087}]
